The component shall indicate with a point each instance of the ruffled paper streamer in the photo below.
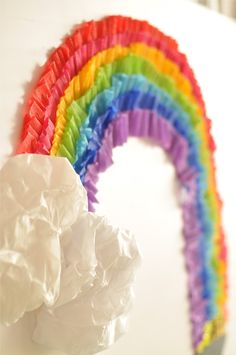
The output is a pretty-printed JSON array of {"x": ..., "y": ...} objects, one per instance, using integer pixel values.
[
  {"x": 69, "y": 58},
  {"x": 146, "y": 124},
  {"x": 129, "y": 65},
  {"x": 85, "y": 79}
]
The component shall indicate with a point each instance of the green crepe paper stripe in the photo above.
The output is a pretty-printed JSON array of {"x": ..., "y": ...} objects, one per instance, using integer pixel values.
[
  {"x": 76, "y": 113},
  {"x": 131, "y": 64}
]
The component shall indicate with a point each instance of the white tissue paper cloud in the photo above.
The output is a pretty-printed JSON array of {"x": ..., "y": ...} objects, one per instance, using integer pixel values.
[{"x": 69, "y": 266}]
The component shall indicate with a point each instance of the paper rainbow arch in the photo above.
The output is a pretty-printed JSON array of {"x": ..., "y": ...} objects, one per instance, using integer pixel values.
[{"x": 121, "y": 77}]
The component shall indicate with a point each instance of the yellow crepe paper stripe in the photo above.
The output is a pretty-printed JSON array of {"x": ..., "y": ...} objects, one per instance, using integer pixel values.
[{"x": 84, "y": 80}]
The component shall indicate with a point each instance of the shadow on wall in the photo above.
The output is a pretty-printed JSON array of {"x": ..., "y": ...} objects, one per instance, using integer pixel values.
[
  {"x": 216, "y": 348},
  {"x": 226, "y": 7}
]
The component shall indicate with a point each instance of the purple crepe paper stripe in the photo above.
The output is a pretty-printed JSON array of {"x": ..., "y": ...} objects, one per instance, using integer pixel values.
[{"x": 147, "y": 124}]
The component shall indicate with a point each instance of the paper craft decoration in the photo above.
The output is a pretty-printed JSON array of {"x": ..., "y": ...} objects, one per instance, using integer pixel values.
[
  {"x": 122, "y": 77},
  {"x": 72, "y": 269}
]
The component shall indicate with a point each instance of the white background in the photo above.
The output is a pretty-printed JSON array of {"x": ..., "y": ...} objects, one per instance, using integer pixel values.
[{"x": 139, "y": 191}]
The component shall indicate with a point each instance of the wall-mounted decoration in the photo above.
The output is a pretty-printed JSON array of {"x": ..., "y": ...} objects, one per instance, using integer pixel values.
[{"x": 122, "y": 77}]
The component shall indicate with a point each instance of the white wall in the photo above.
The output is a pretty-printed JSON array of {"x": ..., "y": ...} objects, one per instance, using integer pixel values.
[{"x": 28, "y": 30}]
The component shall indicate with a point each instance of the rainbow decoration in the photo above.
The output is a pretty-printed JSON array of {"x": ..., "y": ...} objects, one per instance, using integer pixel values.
[{"x": 121, "y": 77}]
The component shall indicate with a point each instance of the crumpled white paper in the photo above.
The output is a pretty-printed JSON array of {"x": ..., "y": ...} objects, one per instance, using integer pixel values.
[{"x": 69, "y": 266}]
